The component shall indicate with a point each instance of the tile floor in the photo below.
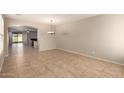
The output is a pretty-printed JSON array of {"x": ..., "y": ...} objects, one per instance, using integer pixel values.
[{"x": 28, "y": 62}]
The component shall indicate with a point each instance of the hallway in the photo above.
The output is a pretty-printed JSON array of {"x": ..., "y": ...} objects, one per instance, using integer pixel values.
[{"x": 28, "y": 62}]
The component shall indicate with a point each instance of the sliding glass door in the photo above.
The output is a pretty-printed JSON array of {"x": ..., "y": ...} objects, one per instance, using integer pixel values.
[{"x": 17, "y": 38}]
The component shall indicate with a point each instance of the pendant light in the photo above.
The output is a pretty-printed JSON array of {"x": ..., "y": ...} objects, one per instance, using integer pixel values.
[{"x": 52, "y": 30}]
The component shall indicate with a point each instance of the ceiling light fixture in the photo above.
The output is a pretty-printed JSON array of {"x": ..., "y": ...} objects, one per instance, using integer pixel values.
[{"x": 52, "y": 30}]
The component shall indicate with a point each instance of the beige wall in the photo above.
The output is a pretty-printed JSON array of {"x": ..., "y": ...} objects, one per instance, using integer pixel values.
[
  {"x": 1, "y": 41},
  {"x": 25, "y": 38},
  {"x": 101, "y": 36},
  {"x": 45, "y": 41},
  {"x": 6, "y": 39}
]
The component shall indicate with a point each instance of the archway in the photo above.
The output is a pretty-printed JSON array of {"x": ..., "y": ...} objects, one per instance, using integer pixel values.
[
  {"x": 22, "y": 34},
  {"x": 26, "y": 35}
]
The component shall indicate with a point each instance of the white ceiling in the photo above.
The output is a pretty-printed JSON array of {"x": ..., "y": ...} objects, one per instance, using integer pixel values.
[
  {"x": 21, "y": 28},
  {"x": 45, "y": 18}
]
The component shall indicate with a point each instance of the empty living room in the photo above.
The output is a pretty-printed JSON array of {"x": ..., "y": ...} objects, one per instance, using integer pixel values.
[{"x": 62, "y": 45}]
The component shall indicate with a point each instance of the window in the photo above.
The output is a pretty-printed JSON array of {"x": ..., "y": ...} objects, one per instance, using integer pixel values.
[{"x": 17, "y": 38}]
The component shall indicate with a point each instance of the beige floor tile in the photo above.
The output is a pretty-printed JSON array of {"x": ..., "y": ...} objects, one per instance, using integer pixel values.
[{"x": 28, "y": 62}]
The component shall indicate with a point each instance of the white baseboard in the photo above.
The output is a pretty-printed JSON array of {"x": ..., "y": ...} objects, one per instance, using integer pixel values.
[
  {"x": 47, "y": 49},
  {"x": 105, "y": 60}
]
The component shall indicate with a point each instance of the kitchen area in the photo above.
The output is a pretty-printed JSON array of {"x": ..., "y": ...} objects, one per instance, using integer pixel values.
[{"x": 23, "y": 34}]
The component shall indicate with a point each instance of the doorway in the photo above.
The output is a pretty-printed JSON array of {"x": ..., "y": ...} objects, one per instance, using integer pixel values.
[{"x": 25, "y": 35}]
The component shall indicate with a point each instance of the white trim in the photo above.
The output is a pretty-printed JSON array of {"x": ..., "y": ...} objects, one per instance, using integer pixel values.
[
  {"x": 1, "y": 65},
  {"x": 47, "y": 49},
  {"x": 2, "y": 57},
  {"x": 110, "y": 61}
]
